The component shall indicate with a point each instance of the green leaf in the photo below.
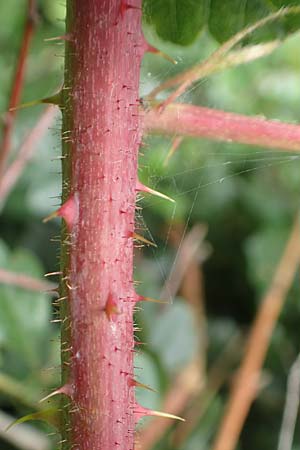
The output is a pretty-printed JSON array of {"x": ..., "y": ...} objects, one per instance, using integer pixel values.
[
  {"x": 173, "y": 335},
  {"x": 178, "y": 21},
  {"x": 24, "y": 319},
  {"x": 148, "y": 375},
  {"x": 263, "y": 252},
  {"x": 228, "y": 13},
  {"x": 181, "y": 21}
]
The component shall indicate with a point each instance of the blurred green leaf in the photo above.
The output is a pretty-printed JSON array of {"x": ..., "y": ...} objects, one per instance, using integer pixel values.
[
  {"x": 178, "y": 21},
  {"x": 146, "y": 372},
  {"x": 181, "y": 21},
  {"x": 24, "y": 320},
  {"x": 263, "y": 251},
  {"x": 173, "y": 335}
]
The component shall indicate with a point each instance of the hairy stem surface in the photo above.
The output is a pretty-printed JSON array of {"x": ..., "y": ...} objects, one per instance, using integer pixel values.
[{"x": 101, "y": 134}]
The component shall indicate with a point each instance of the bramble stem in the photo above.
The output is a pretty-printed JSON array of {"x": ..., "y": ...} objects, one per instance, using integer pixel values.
[
  {"x": 197, "y": 121},
  {"x": 101, "y": 135}
]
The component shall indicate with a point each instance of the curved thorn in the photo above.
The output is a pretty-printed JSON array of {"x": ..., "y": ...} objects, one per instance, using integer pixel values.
[
  {"x": 152, "y": 300},
  {"x": 138, "y": 237},
  {"x": 66, "y": 389},
  {"x": 51, "y": 216},
  {"x": 155, "y": 51},
  {"x": 141, "y": 187}
]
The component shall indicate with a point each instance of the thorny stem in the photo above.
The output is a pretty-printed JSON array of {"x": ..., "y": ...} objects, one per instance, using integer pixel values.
[
  {"x": 189, "y": 120},
  {"x": 101, "y": 136},
  {"x": 17, "y": 83}
]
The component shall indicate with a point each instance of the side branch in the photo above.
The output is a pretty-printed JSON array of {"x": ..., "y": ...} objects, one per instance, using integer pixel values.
[
  {"x": 13, "y": 172},
  {"x": 25, "y": 282},
  {"x": 197, "y": 121},
  {"x": 17, "y": 83}
]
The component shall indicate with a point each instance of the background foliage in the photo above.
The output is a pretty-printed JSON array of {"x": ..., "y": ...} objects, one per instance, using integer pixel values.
[{"x": 246, "y": 196}]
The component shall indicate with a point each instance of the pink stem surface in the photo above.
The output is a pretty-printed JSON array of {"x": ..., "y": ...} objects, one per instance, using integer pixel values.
[
  {"x": 189, "y": 120},
  {"x": 101, "y": 109}
]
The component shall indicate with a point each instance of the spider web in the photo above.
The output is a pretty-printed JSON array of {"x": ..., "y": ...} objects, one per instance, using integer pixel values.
[{"x": 202, "y": 165}]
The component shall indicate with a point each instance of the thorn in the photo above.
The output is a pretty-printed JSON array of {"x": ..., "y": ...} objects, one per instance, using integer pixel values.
[
  {"x": 141, "y": 298},
  {"x": 174, "y": 146},
  {"x": 51, "y": 216},
  {"x": 111, "y": 308},
  {"x": 60, "y": 299},
  {"x": 140, "y": 411},
  {"x": 142, "y": 188},
  {"x": 51, "y": 274},
  {"x": 68, "y": 211},
  {"x": 149, "y": 48},
  {"x": 26, "y": 105},
  {"x": 135, "y": 383},
  {"x": 65, "y": 37},
  {"x": 140, "y": 238},
  {"x": 54, "y": 100},
  {"x": 67, "y": 390},
  {"x": 124, "y": 6}
]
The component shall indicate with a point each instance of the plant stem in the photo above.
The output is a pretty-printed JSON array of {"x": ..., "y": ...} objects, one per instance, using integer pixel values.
[
  {"x": 17, "y": 83},
  {"x": 101, "y": 135},
  {"x": 25, "y": 153},
  {"x": 189, "y": 120},
  {"x": 24, "y": 281}
]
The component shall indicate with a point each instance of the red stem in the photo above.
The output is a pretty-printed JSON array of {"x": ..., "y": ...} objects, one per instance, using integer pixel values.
[
  {"x": 17, "y": 84},
  {"x": 101, "y": 139},
  {"x": 183, "y": 119}
]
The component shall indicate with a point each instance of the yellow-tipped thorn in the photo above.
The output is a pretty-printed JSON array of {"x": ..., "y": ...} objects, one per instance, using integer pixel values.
[
  {"x": 53, "y": 100},
  {"x": 26, "y": 105},
  {"x": 154, "y": 300},
  {"x": 141, "y": 187},
  {"x": 140, "y": 238},
  {"x": 160, "y": 194},
  {"x": 166, "y": 415},
  {"x": 52, "y": 394},
  {"x": 50, "y": 415},
  {"x": 50, "y": 217},
  {"x": 52, "y": 274},
  {"x": 154, "y": 50},
  {"x": 65, "y": 37},
  {"x": 143, "y": 386},
  {"x": 67, "y": 390},
  {"x": 167, "y": 57}
]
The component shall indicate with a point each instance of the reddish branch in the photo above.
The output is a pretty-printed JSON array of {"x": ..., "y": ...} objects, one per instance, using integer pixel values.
[
  {"x": 25, "y": 281},
  {"x": 197, "y": 121},
  {"x": 13, "y": 172},
  {"x": 247, "y": 379},
  {"x": 17, "y": 83}
]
